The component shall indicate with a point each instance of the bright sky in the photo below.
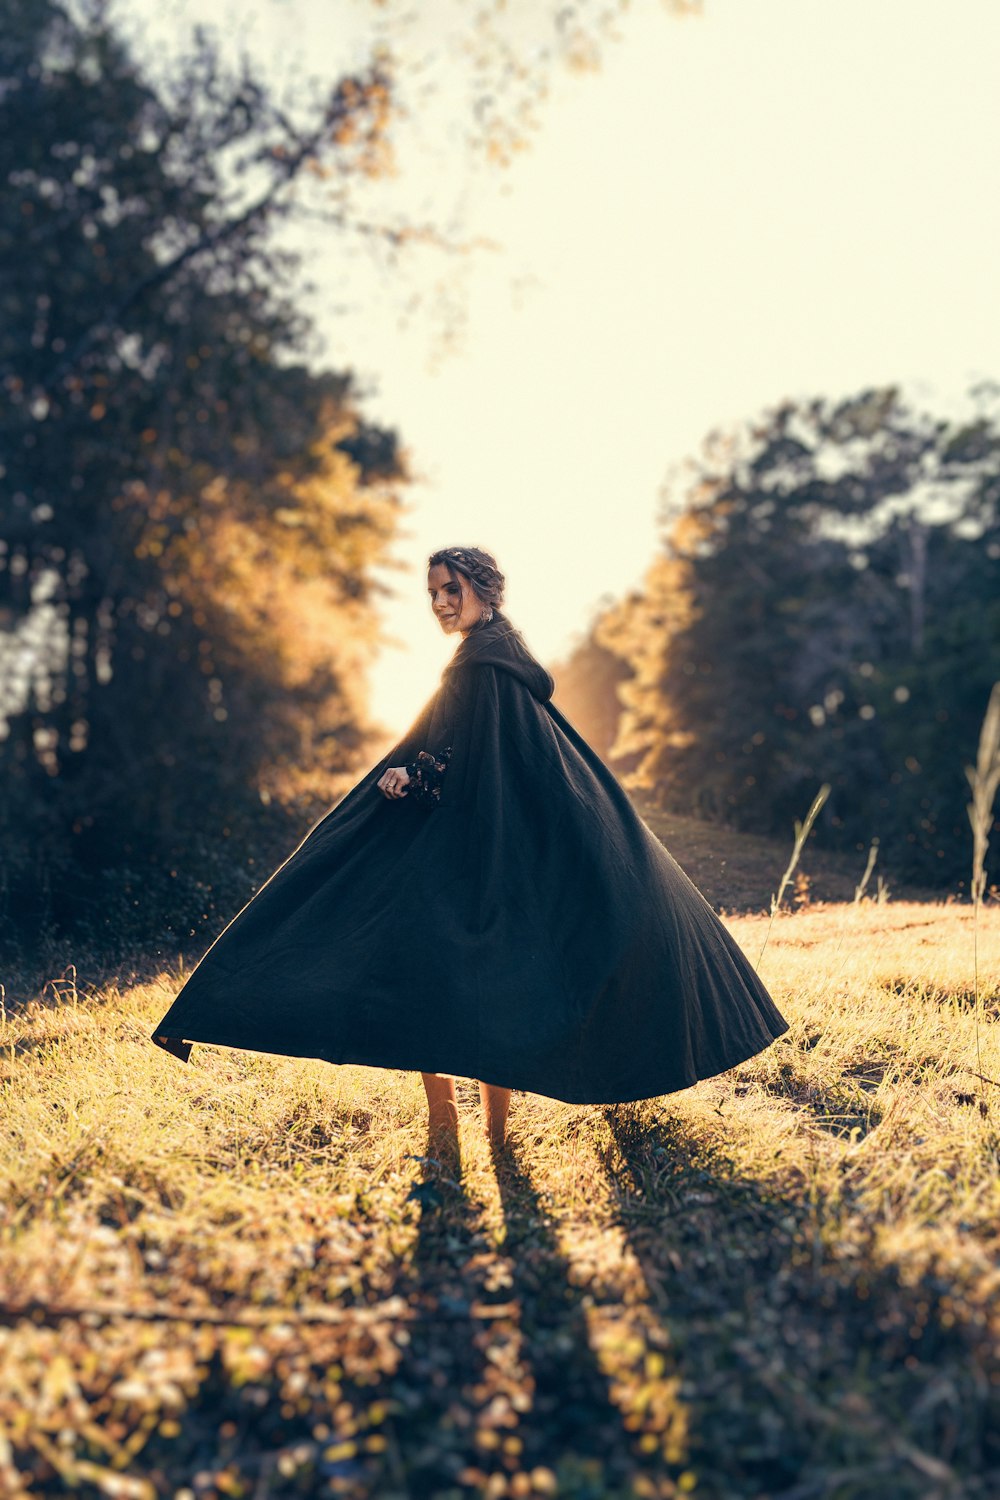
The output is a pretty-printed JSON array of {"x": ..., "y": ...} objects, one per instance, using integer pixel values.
[{"x": 782, "y": 198}]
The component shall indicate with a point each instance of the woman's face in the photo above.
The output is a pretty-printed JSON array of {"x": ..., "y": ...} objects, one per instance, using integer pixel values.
[{"x": 453, "y": 600}]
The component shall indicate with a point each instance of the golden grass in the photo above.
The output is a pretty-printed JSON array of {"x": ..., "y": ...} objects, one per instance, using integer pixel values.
[{"x": 780, "y": 1282}]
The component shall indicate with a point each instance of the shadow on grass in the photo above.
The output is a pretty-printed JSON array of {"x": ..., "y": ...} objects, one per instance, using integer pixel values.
[
  {"x": 497, "y": 1377},
  {"x": 797, "y": 1362},
  {"x": 814, "y": 1368},
  {"x": 443, "y": 1383},
  {"x": 577, "y": 1426},
  {"x": 844, "y": 1108}
]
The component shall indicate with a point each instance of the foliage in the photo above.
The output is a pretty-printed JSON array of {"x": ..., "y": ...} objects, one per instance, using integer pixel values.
[
  {"x": 782, "y": 1281},
  {"x": 825, "y": 608},
  {"x": 191, "y": 512},
  {"x": 586, "y": 692},
  {"x": 190, "y": 517}
]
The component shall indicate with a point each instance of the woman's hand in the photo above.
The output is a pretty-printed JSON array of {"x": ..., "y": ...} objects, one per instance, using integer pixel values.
[{"x": 394, "y": 781}]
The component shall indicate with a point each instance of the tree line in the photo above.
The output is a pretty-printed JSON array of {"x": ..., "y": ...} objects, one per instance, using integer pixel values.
[
  {"x": 824, "y": 607},
  {"x": 191, "y": 515},
  {"x": 194, "y": 510}
]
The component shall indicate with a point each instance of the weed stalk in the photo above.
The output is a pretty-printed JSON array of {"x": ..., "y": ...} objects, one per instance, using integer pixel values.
[
  {"x": 984, "y": 778},
  {"x": 802, "y": 831},
  {"x": 859, "y": 890}
]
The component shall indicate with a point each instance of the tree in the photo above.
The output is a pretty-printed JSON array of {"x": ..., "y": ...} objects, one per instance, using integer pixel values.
[
  {"x": 182, "y": 500},
  {"x": 587, "y": 687},
  {"x": 191, "y": 512},
  {"x": 467, "y": 88},
  {"x": 825, "y": 608}
]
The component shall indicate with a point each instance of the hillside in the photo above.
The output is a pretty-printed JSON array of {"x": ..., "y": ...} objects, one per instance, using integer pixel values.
[{"x": 740, "y": 872}]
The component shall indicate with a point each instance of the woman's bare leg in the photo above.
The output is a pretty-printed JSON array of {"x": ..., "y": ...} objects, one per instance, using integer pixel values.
[
  {"x": 442, "y": 1106},
  {"x": 496, "y": 1102}
]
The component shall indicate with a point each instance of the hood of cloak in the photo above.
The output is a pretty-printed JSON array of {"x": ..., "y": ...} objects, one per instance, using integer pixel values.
[{"x": 500, "y": 644}]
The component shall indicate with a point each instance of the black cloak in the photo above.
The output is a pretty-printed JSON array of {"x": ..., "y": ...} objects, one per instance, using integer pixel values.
[{"x": 517, "y": 922}]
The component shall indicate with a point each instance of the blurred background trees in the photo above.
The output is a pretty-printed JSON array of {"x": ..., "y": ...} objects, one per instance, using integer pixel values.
[
  {"x": 194, "y": 510},
  {"x": 190, "y": 515},
  {"x": 825, "y": 607}
]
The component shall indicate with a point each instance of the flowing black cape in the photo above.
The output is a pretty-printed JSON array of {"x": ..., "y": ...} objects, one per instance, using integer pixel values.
[{"x": 528, "y": 930}]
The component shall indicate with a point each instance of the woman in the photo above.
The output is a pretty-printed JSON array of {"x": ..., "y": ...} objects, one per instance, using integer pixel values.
[{"x": 484, "y": 901}]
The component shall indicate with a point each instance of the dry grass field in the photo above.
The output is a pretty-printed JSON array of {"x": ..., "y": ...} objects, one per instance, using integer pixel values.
[{"x": 244, "y": 1277}]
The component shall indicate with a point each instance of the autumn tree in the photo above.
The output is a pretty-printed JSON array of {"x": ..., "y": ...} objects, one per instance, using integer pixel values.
[
  {"x": 192, "y": 506},
  {"x": 587, "y": 680},
  {"x": 190, "y": 516},
  {"x": 825, "y": 607}
]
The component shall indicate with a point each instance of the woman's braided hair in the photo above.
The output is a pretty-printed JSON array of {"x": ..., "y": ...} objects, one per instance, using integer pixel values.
[{"x": 479, "y": 567}]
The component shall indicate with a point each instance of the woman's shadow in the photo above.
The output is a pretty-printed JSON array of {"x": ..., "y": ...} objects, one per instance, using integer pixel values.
[
  {"x": 574, "y": 1417},
  {"x": 446, "y": 1374},
  {"x": 497, "y": 1373}
]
